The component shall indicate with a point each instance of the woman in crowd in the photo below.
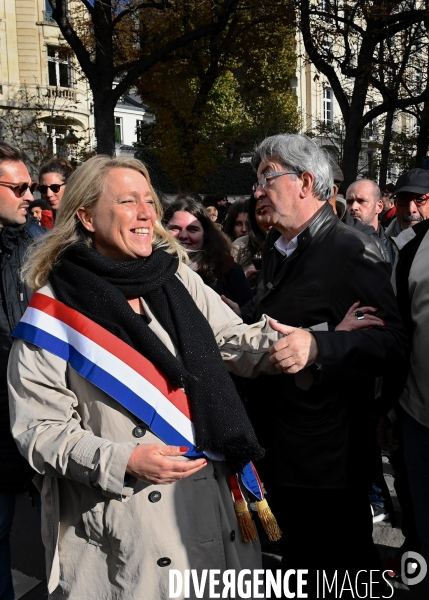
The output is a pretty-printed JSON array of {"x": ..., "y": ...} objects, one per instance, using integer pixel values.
[
  {"x": 208, "y": 249},
  {"x": 53, "y": 176},
  {"x": 117, "y": 312},
  {"x": 247, "y": 250},
  {"x": 235, "y": 225}
]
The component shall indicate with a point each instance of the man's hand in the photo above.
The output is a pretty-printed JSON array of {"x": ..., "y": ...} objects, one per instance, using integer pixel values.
[
  {"x": 152, "y": 463},
  {"x": 297, "y": 350}
]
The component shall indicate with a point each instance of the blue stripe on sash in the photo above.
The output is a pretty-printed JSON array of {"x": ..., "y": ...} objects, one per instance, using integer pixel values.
[{"x": 107, "y": 383}]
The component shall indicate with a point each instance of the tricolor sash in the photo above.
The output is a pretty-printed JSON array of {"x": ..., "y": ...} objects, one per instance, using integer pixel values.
[{"x": 121, "y": 372}]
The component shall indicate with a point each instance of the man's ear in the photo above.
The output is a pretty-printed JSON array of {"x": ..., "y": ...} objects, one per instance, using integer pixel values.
[
  {"x": 85, "y": 217},
  {"x": 379, "y": 207},
  {"x": 307, "y": 182}
]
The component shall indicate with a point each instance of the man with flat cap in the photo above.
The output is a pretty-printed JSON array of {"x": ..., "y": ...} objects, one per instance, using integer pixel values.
[{"x": 411, "y": 387}]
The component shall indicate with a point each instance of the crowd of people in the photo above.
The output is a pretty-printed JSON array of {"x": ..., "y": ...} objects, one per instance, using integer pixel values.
[{"x": 153, "y": 357}]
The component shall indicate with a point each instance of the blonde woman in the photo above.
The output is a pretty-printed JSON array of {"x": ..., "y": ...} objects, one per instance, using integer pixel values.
[{"x": 120, "y": 399}]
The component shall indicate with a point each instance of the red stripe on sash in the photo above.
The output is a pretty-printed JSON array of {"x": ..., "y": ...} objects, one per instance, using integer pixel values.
[{"x": 114, "y": 345}]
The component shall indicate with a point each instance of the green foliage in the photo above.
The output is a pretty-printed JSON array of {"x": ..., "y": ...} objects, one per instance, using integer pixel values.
[{"x": 219, "y": 96}]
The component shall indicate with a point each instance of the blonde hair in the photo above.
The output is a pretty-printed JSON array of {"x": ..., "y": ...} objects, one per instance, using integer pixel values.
[{"x": 84, "y": 189}]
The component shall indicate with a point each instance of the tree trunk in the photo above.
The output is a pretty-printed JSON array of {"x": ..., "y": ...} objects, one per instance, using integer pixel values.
[
  {"x": 104, "y": 107},
  {"x": 351, "y": 150},
  {"x": 385, "y": 149},
  {"x": 423, "y": 137}
]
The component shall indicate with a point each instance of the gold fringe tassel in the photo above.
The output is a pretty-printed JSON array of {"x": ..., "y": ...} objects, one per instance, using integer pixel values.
[
  {"x": 268, "y": 521},
  {"x": 245, "y": 521}
]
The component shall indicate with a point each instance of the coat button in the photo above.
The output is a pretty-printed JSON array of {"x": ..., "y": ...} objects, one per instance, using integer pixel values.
[
  {"x": 139, "y": 431},
  {"x": 154, "y": 496},
  {"x": 232, "y": 535},
  {"x": 163, "y": 562}
]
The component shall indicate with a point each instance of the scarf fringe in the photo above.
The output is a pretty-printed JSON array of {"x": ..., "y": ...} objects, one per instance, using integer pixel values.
[
  {"x": 268, "y": 520},
  {"x": 245, "y": 522}
]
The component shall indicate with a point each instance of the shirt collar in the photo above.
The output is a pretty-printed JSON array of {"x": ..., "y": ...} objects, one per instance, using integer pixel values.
[{"x": 284, "y": 246}]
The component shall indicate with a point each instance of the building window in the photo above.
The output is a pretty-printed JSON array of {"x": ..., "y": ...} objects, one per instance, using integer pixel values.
[
  {"x": 418, "y": 80},
  {"x": 326, "y": 47},
  {"x": 372, "y": 166},
  {"x": 325, "y": 7},
  {"x": 55, "y": 142},
  {"x": 139, "y": 130},
  {"x": 118, "y": 130},
  {"x": 59, "y": 67},
  {"x": 47, "y": 13},
  {"x": 328, "y": 105}
]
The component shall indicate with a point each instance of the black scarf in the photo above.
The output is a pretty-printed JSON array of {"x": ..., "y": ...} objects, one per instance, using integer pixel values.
[{"x": 99, "y": 287}]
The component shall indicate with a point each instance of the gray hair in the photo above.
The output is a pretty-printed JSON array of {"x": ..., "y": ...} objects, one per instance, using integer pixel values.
[{"x": 298, "y": 153}]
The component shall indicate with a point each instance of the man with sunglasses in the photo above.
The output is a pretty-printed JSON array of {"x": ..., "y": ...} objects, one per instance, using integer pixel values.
[
  {"x": 17, "y": 232},
  {"x": 407, "y": 390},
  {"x": 317, "y": 411}
]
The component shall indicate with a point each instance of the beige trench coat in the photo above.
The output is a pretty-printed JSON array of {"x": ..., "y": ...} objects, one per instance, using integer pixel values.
[{"x": 105, "y": 540}]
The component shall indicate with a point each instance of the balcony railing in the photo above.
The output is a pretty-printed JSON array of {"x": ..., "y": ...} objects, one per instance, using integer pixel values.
[
  {"x": 61, "y": 92},
  {"x": 47, "y": 17}
]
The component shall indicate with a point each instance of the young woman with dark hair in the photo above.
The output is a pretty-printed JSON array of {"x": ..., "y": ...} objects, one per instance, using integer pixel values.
[
  {"x": 236, "y": 222},
  {"x": 208, "y": 249},
  {"x": 247, "y": 250},
  {"x": 53, "y": 176}
]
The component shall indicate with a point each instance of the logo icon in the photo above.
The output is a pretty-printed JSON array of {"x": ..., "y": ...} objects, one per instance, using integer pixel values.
[{"x": 413, "y": 568}]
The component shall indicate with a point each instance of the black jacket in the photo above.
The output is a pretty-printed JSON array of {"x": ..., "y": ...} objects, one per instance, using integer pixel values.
[
  {"x": 316, "y": 437},
  {"x": 15, "y": 473},
  {"x": 383, "y": 244}
]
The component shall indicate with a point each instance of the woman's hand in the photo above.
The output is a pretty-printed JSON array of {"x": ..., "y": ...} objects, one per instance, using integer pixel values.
[
  {"x": 153, "y": 463},
  {"x": 351, "y": 322},
  {"x": 233, "y": 305}
]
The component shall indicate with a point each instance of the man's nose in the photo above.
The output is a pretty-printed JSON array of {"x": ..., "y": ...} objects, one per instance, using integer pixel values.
[
  {"x": 412, "y": 207},
  {"x": 28, "y": 195}
]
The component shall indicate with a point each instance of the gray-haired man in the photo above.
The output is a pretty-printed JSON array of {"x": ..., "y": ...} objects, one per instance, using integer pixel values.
[{"x": 314, "y": 269}]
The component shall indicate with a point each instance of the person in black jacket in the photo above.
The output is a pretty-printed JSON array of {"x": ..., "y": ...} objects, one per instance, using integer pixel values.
[
  {"x": 318, "y": 411},
  {"x": 16, "y": 234}
]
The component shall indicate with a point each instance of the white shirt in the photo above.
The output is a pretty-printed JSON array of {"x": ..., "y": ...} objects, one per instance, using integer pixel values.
[{"x": 285, "y": 247}]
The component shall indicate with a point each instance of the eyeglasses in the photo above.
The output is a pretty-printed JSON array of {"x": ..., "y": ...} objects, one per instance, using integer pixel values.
[
  {"x": 54, "y": 187},
  {"x": 405, "y": 201},
  {"x": 266, "y": 177},
  {"x": 19, "y": 189}
]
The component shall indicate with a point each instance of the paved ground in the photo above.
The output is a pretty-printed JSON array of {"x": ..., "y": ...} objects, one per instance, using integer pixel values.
[{"x": 28, "y": 558}]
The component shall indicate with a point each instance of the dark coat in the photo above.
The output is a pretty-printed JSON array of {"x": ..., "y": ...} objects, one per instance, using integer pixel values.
[
  {"x": 15, "y": 473},
  {"x": 383, "y": 244},
  {"x": 316, "y": 437},
  {"x": 233, "y": 284}
]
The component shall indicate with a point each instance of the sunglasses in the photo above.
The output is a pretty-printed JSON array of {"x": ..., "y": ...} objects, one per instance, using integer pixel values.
[
  {"x": 55, "y": 187},
  {"x": 405, "y": 201},
  {"x": 19, "y": 189}
]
